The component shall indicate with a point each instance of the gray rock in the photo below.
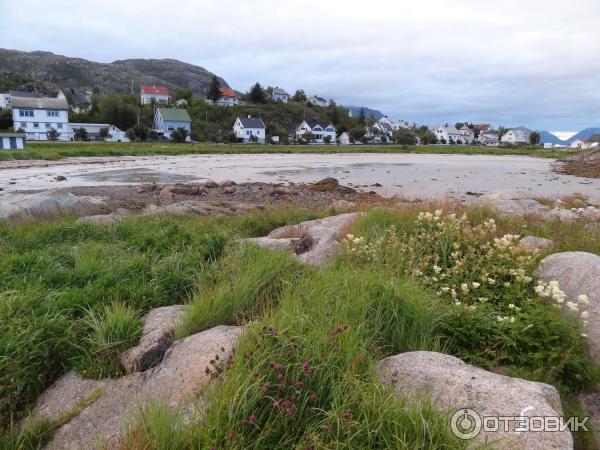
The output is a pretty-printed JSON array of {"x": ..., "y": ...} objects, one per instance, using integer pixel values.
[
  {"x": 343, "y": 205},
  {"x": 453, "y": 385},
  {"x": 199, "y": 208},
  {"x": 102, "y": 219},
  {"x": 577, "y": 273},
  {"x": 229, "y": 189},
  {"x": 536, "y": 243},
  {"x": 323, "y": 233},
  {"x": 157, "y": 337},
  {"x": 210, "y": 184},
  {"x": 227, "y": 183},
  {"x": 185, "y": 369},
  {"x": 19, "y": 208}
]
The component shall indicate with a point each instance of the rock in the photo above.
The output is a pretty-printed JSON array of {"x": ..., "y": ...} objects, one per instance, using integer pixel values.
[
  {"x": 562, "y": 214},
  {"x": 303, "y": 245},
  {"x": 323, "y": 235},
  {"x": 103, "y": 219},
  {"x": 279, "y": 190},
  {"x": 19, "y": 208},
  {"x": 229, "y": 189},
  {"x": 60, "y": 178},
  {"x": 343, "y": 205},
  {"x": 157, "y": 337},
  {"x": 200, "y": 208},
  {"x": 536, "y": 243},
  {"x": 210, "y": 184},
  {"x": 330, "y": 184},
  {"x": 166, "y": 193},
  {"x": 227, "y": 183},
  {"x": 455, "y": 385},
  {"x": 147, "y": 187},
  {"x": 188, "y": 190},
  {"x": 577, "y": 273},
  {"x": 177, "y": 380}
]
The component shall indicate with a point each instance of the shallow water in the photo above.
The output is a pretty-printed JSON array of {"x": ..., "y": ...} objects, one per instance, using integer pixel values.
[{"x": 408, "y": 175}]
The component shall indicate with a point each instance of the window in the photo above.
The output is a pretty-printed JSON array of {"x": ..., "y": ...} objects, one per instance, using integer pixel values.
[
  {"x": 36, "y": 125},
  {"x": 170, "y": 129},
  {"x": 258, "y": 132},
  {"x": 23, "y": 124},
  {"x": 59, "y": 126},
  {"x": 52, "y": 113},
  {"x": 26, "y": 112},
  {"x": 48, "y": 126}
]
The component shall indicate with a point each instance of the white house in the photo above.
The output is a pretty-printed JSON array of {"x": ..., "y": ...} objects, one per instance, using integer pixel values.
[
  {"x": 159, "y": 94},
  {"x": 318, "y": 101},
  {"x": 279, "y": 94},
  {"x": 467, "y": 135},
  {"x": 37, "y": 116},
  {"x": 489, "y": 137},
  {"x": 515, "y": 137},
  {"x": 12, "y": 141},
  {"x": 167, "y": 120},
  {"x": 578, "y": 143},
  {"x": 316, "y": 132},
  {"x": 5, "y": 101},
  {"x": 249, "y": 129},
  {"x": 93, "y": 131},
  {"x": 228, "y": 97},
  {"x": 447, "y": 134},
  {"x": 344, "y": 138}
]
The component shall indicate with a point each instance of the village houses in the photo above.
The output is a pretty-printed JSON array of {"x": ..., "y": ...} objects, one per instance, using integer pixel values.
[
  {"x": 249, "y": 129},
  {"x": 315, "y": 132},
  {"x": 167, "y": 120},
  {"x": 447, "y": 134},
  {"x": 515, "y": 136},
  {"x": 158, "y": 94},
  {"x": 279, "y": 94},
  {"x": 228, "y": 97},
  {"x": 37, "y": 116}
]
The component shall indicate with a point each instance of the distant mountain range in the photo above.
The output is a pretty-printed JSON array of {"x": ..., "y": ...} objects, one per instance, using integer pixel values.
[
  {"x": 64, "y": 72},
  {"x": 548, "y": 138}
]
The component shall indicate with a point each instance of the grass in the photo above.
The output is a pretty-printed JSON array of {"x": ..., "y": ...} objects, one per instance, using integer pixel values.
[
  {"x": 59, "y": 279},
  {"x": 59, "y": 150},
  {"x": 304, "y": 374}
]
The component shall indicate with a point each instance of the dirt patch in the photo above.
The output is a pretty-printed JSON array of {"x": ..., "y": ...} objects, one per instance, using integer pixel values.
[{"x": 585, "y": 164}]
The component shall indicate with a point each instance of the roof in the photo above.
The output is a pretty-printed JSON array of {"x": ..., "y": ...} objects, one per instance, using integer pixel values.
[
  {"x": 449, "y": 129},
  {"x": 160, "y": 90},
  {"x": 227, "y": 92},
  {"x": 78, "y": 97},
  {"x": 252, "y": 122},
  {"x": 15, "y": 135},
  {"x": 386, "y": 126},
  {"x": 278, "y": 90},
  {"x": 317, "y": 98},
  {"x": 39, "y": 103},
  {"x": 482, "y": 126},
  {"x": 593, "y": 138},
  {"x": 314, "y": 123},
  {"x": 25, "y": 94},
  {"x": 174, "y": 114}
]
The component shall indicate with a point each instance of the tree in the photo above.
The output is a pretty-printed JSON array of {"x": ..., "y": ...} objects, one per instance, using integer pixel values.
[
  {"x": 179, "y": 134},
  {"x": 114, "y": 111},
  {"x": 6, "y": 120},
  {"x": 104, "y": 134},
  {"x": 214, "y": 90},
  {"x": 362, "y": 115},
  {"x": 405, "y": 136},
  {"x": 80, "y": 134},
  {"x": 257, "y": 94},
  {"x": 327, "y": 140},
  {"x": 185, "y": 94},
  {"x": 52, "y": 134},
  {"x": 534, "y": 138},
  {"x": 426, "y": 136},
  {"x": 299, "y": 96},
  {"x": 130, "y": 133}
]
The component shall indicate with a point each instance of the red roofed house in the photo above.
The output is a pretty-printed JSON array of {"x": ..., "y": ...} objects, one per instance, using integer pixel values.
[
  {"x": 228, "y": 97},
  {"x": 483, "y": 127},
  {"x": 160, "y": 94}
]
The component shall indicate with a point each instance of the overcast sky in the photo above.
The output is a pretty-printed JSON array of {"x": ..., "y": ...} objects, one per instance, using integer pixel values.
[{"x": 510, "y": 62}]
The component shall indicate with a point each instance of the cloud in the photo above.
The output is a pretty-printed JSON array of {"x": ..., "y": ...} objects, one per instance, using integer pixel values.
[{"x": 509, "y": 63}]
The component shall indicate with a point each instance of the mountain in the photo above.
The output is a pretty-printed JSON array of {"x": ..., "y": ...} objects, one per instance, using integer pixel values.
[
  {"x": 545, "y": 136},
  {"x": 64, "y": 72},
  {"x": 368, "y": 112},
  {"x": 583, "y": 134}
]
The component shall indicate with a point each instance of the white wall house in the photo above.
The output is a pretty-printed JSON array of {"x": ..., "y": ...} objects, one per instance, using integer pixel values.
[
  {"x": 316, "y": 132},
  {"x": 578, "y": 143},
  {"x": 159, "y": 94},
  {"x": 167, "y": 120},
  {"x": 318, "y": 101},
  {"x": 37, "y": 116},
  {"x": 447, "y": 134},
  {"x": 245, "y": 128},
  {"x": 279, "y": 94},
  {"x": 12, "y": 141},
  {"x": 5, "y": 100},
  {"x": 515, "y": 137},
  {"x": 93, "y": 131},
  {"x": 228, "y": 97},
  {"x": 467, "y": 135},
  {"x": 489, "y": 137},
  {"x": 344, "y": 138},
  {"x": 385, "y": 126}
]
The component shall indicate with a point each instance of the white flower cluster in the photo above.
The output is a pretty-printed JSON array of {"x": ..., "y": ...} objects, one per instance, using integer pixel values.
[
  {"x": 552, "y": 291},
  {"x": 506, "y": 241}
]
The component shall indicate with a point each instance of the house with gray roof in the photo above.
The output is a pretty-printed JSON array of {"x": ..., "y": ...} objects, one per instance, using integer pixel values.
[
  {"x": 316, "y": 132},
  {"x": 249, "y": 129},
  {"x": 279, "y": 94},
  {"x": 167, "y": 120},
  {"x": 37, "y": 116}
]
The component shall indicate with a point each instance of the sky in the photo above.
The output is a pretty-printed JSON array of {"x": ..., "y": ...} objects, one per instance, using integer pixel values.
[{"x": 515, "y": 62}]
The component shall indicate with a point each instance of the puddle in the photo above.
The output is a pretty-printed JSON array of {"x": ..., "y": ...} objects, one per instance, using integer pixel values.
[{"x": 135, "y": 176}]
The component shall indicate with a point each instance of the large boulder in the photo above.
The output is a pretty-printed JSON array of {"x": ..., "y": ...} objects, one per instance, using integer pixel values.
[
  {"x": 454, "y": 385},
  {"x": 536, "y": 243},
  {"x": 186, "y": 367},
  {"x": 157, "y": 337},
  {"x": 323, "y": 235},
  {"x": 19, "y": 208},
  {"x": 577, "y": 273}
]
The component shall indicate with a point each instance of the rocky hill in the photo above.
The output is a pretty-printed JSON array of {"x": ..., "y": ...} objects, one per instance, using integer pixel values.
[{"x": 64, "y": 72}]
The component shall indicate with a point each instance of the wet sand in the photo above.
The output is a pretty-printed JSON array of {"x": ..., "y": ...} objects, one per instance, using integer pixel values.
[{"x": 407, "y": 175}]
